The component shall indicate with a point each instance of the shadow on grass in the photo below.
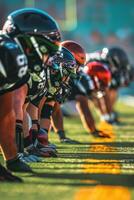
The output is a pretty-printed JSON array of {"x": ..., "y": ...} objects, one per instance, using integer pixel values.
[
  {"x": 123, "y": 161},
  {"x": 103, "y": 161},
  {"x": 86, "y": 145},
  {"x": 127, "y": 131},
  {"x": 94, "y": 155},
  {"x": 82, "y": 179},
  {"x": 126, "y": 115},
  {"x": 124, "y": 123},
  {"x": 111, "y": 144}
]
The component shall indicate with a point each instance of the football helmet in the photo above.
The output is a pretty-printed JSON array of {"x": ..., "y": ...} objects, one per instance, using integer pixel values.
[
  {"x": 61, "y": 66},
  {"x": 36, "y": 32},
  {"x": 99, "y": 73},
  {"x": 116, "y": 58},
  {"x": 32, "y": 21},
  {"x": 77, "y": 50}
]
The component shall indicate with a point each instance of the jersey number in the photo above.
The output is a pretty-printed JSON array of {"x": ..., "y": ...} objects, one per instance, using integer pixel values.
[{"x": 22, "y": 63}]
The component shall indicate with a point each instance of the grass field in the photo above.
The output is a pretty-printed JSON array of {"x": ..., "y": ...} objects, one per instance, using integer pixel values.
[{"x": 95, "y": 169}]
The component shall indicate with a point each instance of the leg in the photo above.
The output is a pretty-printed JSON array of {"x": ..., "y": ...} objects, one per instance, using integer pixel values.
[
  {"x": 57, "y": 121},
  {"x": 57, "y": 118},
  {"x": 84, "y": 112},
  {"x": 7, "y": 135},
  {"x": 19, "y": 100},
  {"x": 87, "y": 118},
  {"x": 7, "y": 126}
]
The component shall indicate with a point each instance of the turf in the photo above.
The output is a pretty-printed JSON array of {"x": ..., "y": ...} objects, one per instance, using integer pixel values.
[{"x": 83, "y": 166}]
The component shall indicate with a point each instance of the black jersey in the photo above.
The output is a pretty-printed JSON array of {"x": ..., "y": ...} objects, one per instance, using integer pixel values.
[
  {"x": 36, "y": 87},
  {"x": 117, "y": 61},
  {"x": 13, "y": 65},
  {"x": 83, "y": 85}
]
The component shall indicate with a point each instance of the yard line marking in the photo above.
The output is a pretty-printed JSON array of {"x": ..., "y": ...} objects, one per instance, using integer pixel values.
[
  {"x": 107, "y": 166},
  {"x": 103, "y": 193}
]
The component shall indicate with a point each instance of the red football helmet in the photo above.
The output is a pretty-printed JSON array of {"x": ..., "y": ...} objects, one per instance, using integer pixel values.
[
  {"x": 99, "y": 73},
  {"x": 77, "y": 51}
]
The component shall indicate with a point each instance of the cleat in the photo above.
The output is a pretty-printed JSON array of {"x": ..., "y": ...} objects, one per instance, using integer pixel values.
[
  {"x": 45, "y": 148},
  {"x": 18, "y": 165},
  {"x": 30, "y": 158},
  {"x": 69, "y": 141},
  {"x": 51, "y": 145},
  {"x": 114, "y": 122},
  {"x": 35, "y": 151},
  {"x": 53, "y": 154},
  {"x": 7, "y": 176},
  {"x": 100, "y": 134}
]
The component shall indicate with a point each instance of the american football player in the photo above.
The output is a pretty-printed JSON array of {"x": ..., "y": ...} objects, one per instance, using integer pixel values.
[
  {"x": 13, "y": 70},
  {"x": 36, "y": 33}
]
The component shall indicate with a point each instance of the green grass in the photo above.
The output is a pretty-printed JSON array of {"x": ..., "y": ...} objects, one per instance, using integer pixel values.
[{"x": 62, "y": 177}]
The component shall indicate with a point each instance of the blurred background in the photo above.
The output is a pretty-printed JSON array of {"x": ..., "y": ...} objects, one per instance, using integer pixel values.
[{"x": 92, "y": 23}]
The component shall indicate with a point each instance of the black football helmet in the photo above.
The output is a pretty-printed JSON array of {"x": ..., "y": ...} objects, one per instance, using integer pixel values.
[
  {"x": 13, "y": 63},
  {"x": 116, "y": 58},
  {"x": 61, "y": 67},
  {"x": 36, "y": 32},
  {"x": 32, "y": 21}
]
